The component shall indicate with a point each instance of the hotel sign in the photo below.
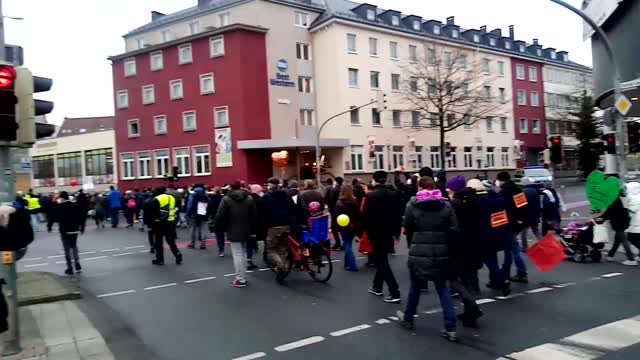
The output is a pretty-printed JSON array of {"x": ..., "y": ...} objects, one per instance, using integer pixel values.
[{"x": 282, "y": 79}]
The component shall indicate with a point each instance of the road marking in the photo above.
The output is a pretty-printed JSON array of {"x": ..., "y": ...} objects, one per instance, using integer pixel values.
[
  {"x": 54, "y": 256},
  {"x": 361, "y": 257},
  {"x": 198, "y": 280},
  {"x": 110, "y": 250},
  {"x": 36, "y": 265},
  {"x": 85, "y": 253},
  {"x": 143, "y": 251},
  {"x": 560, "y": 286},
  {"x": 264, "y": 269},
  {"x": 251, "y": 356},
  {"x": 299, "y": 343},
  {"x": 394, "y": 318},
  {"x": 134, "y": 247},
  {"x": 60, "y": 262},
  {"x": 116, "y": 293},
  {"x": 538, "y": 290},
  {"x": 96, "y": 257},
  {"x": 484, "y": 301},
  {"x": 509, "y": 297},
  {"x": 586, "y": 345},
  {"x": 32, "y": 259},
  {"x": 610, "y": 275},
  {"x": 227, "y": 275},
  {"x": 123, "y": 254},
  {"x": 350, "y": 330},
  {"x": 160, "y": 286},
  {"x": 335, "y": 261},
  {"x": 432, "y": 311},
  {"x": 382, "y": 321}
]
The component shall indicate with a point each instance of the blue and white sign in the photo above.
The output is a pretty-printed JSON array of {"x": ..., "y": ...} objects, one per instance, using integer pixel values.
[
  {"x": 282, "y": 79},
  {"x": 283, "y": 66}
]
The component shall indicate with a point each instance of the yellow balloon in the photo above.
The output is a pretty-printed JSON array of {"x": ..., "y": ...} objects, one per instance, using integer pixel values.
[{"x": 343, "y": 220}]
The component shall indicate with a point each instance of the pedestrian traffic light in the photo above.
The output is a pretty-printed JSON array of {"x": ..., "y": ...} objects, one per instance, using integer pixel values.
[
  {"x": 28, "y": 108},
  {"x": 609, "y": 143},
  {"x": 556, "y": 149},
  {"x": 634, "y": 136},
  {"x": 8, "y": 125},
  {"x": 381, "y": 101}
]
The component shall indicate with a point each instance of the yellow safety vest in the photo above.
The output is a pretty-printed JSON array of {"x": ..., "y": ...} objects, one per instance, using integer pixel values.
[
  {"x": 33, "y": 203},
  {"x": 167, "y": 204}
]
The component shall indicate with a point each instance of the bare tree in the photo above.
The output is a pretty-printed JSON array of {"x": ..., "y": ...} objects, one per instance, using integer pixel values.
[{"x": 448, "y": 88}]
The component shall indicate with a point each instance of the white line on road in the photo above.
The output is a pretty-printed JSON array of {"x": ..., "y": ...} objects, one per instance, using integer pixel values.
[
  {"x": 610, "y": 275},
  {"x": 484, "y": 301},
  {"x": 198, "y": 280},
  {"x": 432, "y": 311},
  {"x": 143, "y": 251},
  {"x": 394, "y": 318},
  {"x": 560, "y": 286},
  {"x": 160, "y": 286},
  {"x": 123, "y": 254},
  {"x": 509, "y": 297},
  {"x": 251, "y": 356},
  {"x": 350, "y": 330},
  {"x": 299, "y": 343},
  {"x": 60, "y": 262},
  {"x": 264, "y": 269},
  {"x": 361, "y": 257},
  {"x": 110, "y": 250},
  {"x": 133, "y": 247},
  {"x": 35, "y": 265},
  {"x": 96, "y": 257},
  {"x": 116, "y": 293},
  {"x": 85, "y": 253},
  {"x": 227, "y": 275},
  {"x": 382, "y": 321},
  {"x": 54, "y": 256},
  {"x": 32, "y": 259},
  {"x": 538, "y": 290}
]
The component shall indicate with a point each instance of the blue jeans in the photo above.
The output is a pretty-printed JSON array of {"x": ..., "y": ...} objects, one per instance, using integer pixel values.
[
  {"x": 446, "y": 302},
  {"x": 349, "y": 258},
  {"x": 35, "y": 222},
  {"x": 220, "y": 241},
  {"x": 496, "y": 276},
  {"x": 512, "y": 253},
  {"x": 115, "y": 213}
]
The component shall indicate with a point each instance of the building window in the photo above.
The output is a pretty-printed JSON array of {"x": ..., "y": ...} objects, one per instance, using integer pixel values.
[
  {"x": 184, "y": 54},
  {"x": 379, "y": 157},
  {"x": 375, "y": 118},
  {"x": 415, "y": 119},
  {"x": 355, "y": 116},
  {"x": 553, "y": 127},
  {"x": 435, "y": 157},
  {"x": 552, "y": 54},
  {"x": 522, "y": 48},
  {"x": 301, "y": 19},
  {"x": 431, "y": 56},
  {"x": 306, "y": 117},
  {"x": 504, "y": 157},
  {"x": 221, "y": 116},
  {"x": 202, "y": 159},
  {"x": 503, "y": 95},
  {"x": 476, "y": 38},
  {"x": 373, "y": 47},
  {"x": 466, "y": 121},
  {"x": 455, "y": 33},
  {"x": 462, "y": 60},
  {"x": 534, "y": 98},
  {"x": 189, "y": 120},
  {"x": 468, "y": 157},
  {"x": 524, "y": 126},
  {"x": 160, "y": 124},
  {"x": 351, "y": 43},
  {"x": 161, "y": 158},
  {"x": 465, "y": 89},
  {"x": 133, "y": 128},
  {"x": 434, "y": 119},
  {"x": 207, "y": 86},
  {"x": 533, "y": 74},
  {"x": 97, "y": 162},
  {"x": 522, "y": 97},
  {"x": 451, "y": 118},
  {"x": 413, "y": 53},
  {"x": 303, "y": 51},
  {"x": 130, "y": 67},
  {"x": 375, "y": 79},
  {"x": 448, "y": 59},
  {"x": 452, "y": 161},
  {"x": 140, "y": 43},
  {"x": 507, "y": 45},
  {"x": 398, "y": 156},
  {"x": 393, "y": 49},
  {"x": 492, "y": 41},
  {"x": 436, "y": 29},
  {"x": 491, "y": 157},
  {"x": 304, "y": 84},
  {"x": 501, "y": 68},
  {"x": 413, "y": 84},
  {"x": 489, "y": 121},
  {"x": 144, "y": 165},
  {"x": 539, "y": 52},
  {"x": 397, "y": 122},
  {"x": 395, "y": 20},
  {"x": 519, "y": 71},
  {"x": 126, "y": 160},
  {"x": 216, "y": 46},
  {"x": 225, "y": 19},
  {"x": 194, "y": 27},
  {"x": 148, "y": 94},
  {"x": 123, "y": 99},
  {"x": 487, "y": 91},
  {"x": 175, "y": 89},
  {"x": 156, "y": 61},
  {"x": 535, "y": 126},
  {"x": 415, "y": 158},
  {"x": 503, "y": 125},
  {"x": 166, "y": 35},
  {"x": 357, "y": 163},
  {"x": 395, "y": 82},
  {"x": 371, "y": 14},
  {"x": 417, "y": 25},
  {"x": 181, "y": 157},
  {"x": 353, "y": 77},
  {"x": 486, "y": 66},
  {"x": 69, "y": 165}
]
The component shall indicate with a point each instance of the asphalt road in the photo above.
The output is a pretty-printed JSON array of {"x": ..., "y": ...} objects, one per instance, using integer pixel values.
[{"x": 191, "y": 312}]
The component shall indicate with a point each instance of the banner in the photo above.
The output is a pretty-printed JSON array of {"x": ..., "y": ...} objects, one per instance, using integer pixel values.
[{"x": 223, "y": 147}]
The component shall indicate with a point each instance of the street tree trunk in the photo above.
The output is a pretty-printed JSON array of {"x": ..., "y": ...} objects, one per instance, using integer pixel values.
[{"x": 443, "y": 167}]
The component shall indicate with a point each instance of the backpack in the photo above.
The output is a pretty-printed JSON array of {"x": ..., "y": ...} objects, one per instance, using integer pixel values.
[
  {"x": 18, "y": 234},
  {"x": 131, "y": 203}
]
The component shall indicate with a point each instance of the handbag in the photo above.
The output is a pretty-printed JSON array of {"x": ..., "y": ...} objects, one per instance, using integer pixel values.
[{"x": 600, "y": 233}]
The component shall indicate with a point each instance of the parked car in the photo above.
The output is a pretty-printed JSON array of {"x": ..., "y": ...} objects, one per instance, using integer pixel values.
[{"x": 533, "y": 175}]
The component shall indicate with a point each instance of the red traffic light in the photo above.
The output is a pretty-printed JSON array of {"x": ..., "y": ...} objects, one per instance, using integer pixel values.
[
  {"x": 610, "y": 139},
  {"x": 555, "y": 140},
  {"x": 7, "y": 76}
]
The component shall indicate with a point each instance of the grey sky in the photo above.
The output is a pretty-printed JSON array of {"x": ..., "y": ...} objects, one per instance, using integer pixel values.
[{"x": 70, "y": 40}]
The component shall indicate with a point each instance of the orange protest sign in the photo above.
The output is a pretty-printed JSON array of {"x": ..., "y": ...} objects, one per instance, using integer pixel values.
[
  {"x": 499, "y": 218},
  {"x": 520, "y": 200}
]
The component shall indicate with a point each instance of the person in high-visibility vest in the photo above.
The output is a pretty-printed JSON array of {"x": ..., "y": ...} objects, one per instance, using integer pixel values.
[
  {"x": 162, "y": 216},
  {"x": 33, "y": 205}
]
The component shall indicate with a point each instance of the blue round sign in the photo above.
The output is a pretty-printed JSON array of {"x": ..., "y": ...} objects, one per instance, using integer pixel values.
[{"x": 283, "y": 66}]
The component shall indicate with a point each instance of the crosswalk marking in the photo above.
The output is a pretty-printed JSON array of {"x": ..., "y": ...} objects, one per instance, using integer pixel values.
[
  {"x": 539, "y": 290},
  {"x": 251, "y": 356},
  {"x": 610, "y": 275},
  {"x": 350, "y": 330},
  {"x": 299, "y": 343}
]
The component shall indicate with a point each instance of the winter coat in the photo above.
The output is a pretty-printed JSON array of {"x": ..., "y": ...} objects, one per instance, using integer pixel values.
[
  {"x": 237, "y": 216},
  {"x": 114, "y": 199},
  {"x": 352, "y": 210},
  {"x": 430, "y": 225},
  {"x": 15, "y": 228},
  {"x": 617, "y": 215},
  {"x": 101, "y": 207},
  {"x": 633, "y": 205},
  {"x": 405, "y": 190},
  {"x": 279, "y": 208},
  {"x": 492, "y": 238},
  {"x": 197, "y": 197},
  {"x": 551, "y": 205},
  {"x": 534, "y": 209},
  {"x": 260, "y": 224},
  {"x": 306, "y": 198},
  {"x": 359, "y": 192},
  {"x": 68, "y": 217},
  {"x": 83, "y": 202},
  {"x": 466, "y": 248},
  {"x": 148, "y": 209},
  {"x": 517, "y": 215},
  {"x": 382, "y": 217}
]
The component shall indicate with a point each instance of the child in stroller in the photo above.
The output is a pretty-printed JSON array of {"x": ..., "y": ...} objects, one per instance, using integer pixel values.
[{"x": 577, "y": 239}]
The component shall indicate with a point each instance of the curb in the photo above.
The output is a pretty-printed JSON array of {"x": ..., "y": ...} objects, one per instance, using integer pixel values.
[{"x": 49, "y": 299}]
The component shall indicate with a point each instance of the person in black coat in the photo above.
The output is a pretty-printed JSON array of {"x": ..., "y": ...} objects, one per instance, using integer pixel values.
[
  {"x": 517, "y": 213},
  {"x": 348, "y": 205},
  {"x": 69, "y": 224},
  {"x": 334, "y": 194},
  {"x": 533, "y": 215},
  {"x": 212, "y": 208},
  {"x": 147, "y": 209},
  {"x": 619, "y": 221},
  {"x": 83, "y": 207},
  {"x": 309, "y": 195}
]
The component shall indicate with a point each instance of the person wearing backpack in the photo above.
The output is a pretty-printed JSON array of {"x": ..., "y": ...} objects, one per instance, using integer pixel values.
[
  {"x": 163, "y": 216},
  {"x": 552, "y": 205},
  {"x": 130, "y": 206},
  {"x": 197, "y": 212}
]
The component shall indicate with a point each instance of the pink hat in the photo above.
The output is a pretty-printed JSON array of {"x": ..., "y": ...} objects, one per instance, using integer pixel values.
[{"x": 255, "y": 188}]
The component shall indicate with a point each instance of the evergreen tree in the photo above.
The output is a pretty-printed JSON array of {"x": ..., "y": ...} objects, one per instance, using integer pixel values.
[{"x": 586, "y": 132}]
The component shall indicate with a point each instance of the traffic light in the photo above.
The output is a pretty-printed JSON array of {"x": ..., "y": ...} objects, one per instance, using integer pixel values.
[
  {"x": 634, "y": 136},
  {"x": 8, "y": 125},
  {"x": 381, "y": 101},
  {"x": 28, "y": 107},
  {"x": 609, "y": 143},
  {"x": 556, "y": 149},
  {"x": 174, "y": 174}
]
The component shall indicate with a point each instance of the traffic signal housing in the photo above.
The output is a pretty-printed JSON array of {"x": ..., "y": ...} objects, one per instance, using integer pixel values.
[
  {"x": 555, "y": 147},
  {"x": 609, "y": 143},
  {"x": 28, "y": 108},
  {"x": 8, "y": 124},
  {"x": 634, "y": 136},
  {"x": 381, "y": 101}
]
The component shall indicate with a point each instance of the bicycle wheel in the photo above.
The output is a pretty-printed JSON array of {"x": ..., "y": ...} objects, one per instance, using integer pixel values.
[{"x": 320, "y": 267}]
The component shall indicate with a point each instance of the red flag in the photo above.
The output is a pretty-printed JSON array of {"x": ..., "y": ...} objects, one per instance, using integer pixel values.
[
  {"x": 365, "y": 245},
  {"x": 547, "y": 253}
]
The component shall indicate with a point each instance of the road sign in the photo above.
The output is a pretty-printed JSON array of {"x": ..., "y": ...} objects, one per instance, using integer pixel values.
[{"x": 623, "y": 105}]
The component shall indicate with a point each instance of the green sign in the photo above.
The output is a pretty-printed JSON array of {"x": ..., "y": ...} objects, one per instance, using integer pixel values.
[{"x": 602, "y": 190}]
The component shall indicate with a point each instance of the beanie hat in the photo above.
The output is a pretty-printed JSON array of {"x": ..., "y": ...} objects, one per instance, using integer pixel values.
[
  {"x": 380, "y": 176},
  {"x": 456, "y": 183}
]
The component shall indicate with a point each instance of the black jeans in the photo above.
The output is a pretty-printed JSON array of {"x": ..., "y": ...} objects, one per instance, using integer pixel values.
[
  {"x": 384, "y": 274},
  {"x": 69, "y": 244},
  {"x": 166, "y": 230},
  {"x": 621, "y": 238}
]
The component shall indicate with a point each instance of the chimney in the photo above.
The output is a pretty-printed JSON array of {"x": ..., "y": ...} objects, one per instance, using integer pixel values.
[
  {"x": 535, "y": 41},
  {"x": 497, "y": 32},
  {"x": 451, "y": 20},
  {"x": 511, "y": 32},
  {"x": 156, "y": 15},
  {"x": 483, "y": 29}
]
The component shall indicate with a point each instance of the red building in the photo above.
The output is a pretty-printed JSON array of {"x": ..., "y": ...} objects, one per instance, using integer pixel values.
[
  {"x": 528, "y": 109},
  {"x": 187, "y": 103}
]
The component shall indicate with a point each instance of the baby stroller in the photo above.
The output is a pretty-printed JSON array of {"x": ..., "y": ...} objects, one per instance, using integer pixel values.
[{"x": 577, "y": 238}]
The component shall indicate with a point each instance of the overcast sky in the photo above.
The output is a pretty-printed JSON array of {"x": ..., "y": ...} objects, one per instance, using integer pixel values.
[{"x": 70, "y": 40}]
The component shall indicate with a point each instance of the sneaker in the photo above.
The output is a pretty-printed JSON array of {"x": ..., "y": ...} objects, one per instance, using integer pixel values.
[
  {"x": 191, "y": 246},
  {"x": 403, "y": 322},
  {"x": 522, "y": 278},
  {"x": 221, "y": 254},
  {"x": 450, "y": 335},
  {"x": 78, "y": 267},
  {"x": 630, "y": 263},
  {"x": 157, "y": 262},
  {"x": 239, "y": 283},
  {"x": 392, "y": 299},
  {"x": 179, "y": 259},
  {"x": 376, "y": 293},
  {"x": 69, "y": 271},
  {"x": 611, "y": 259}
]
